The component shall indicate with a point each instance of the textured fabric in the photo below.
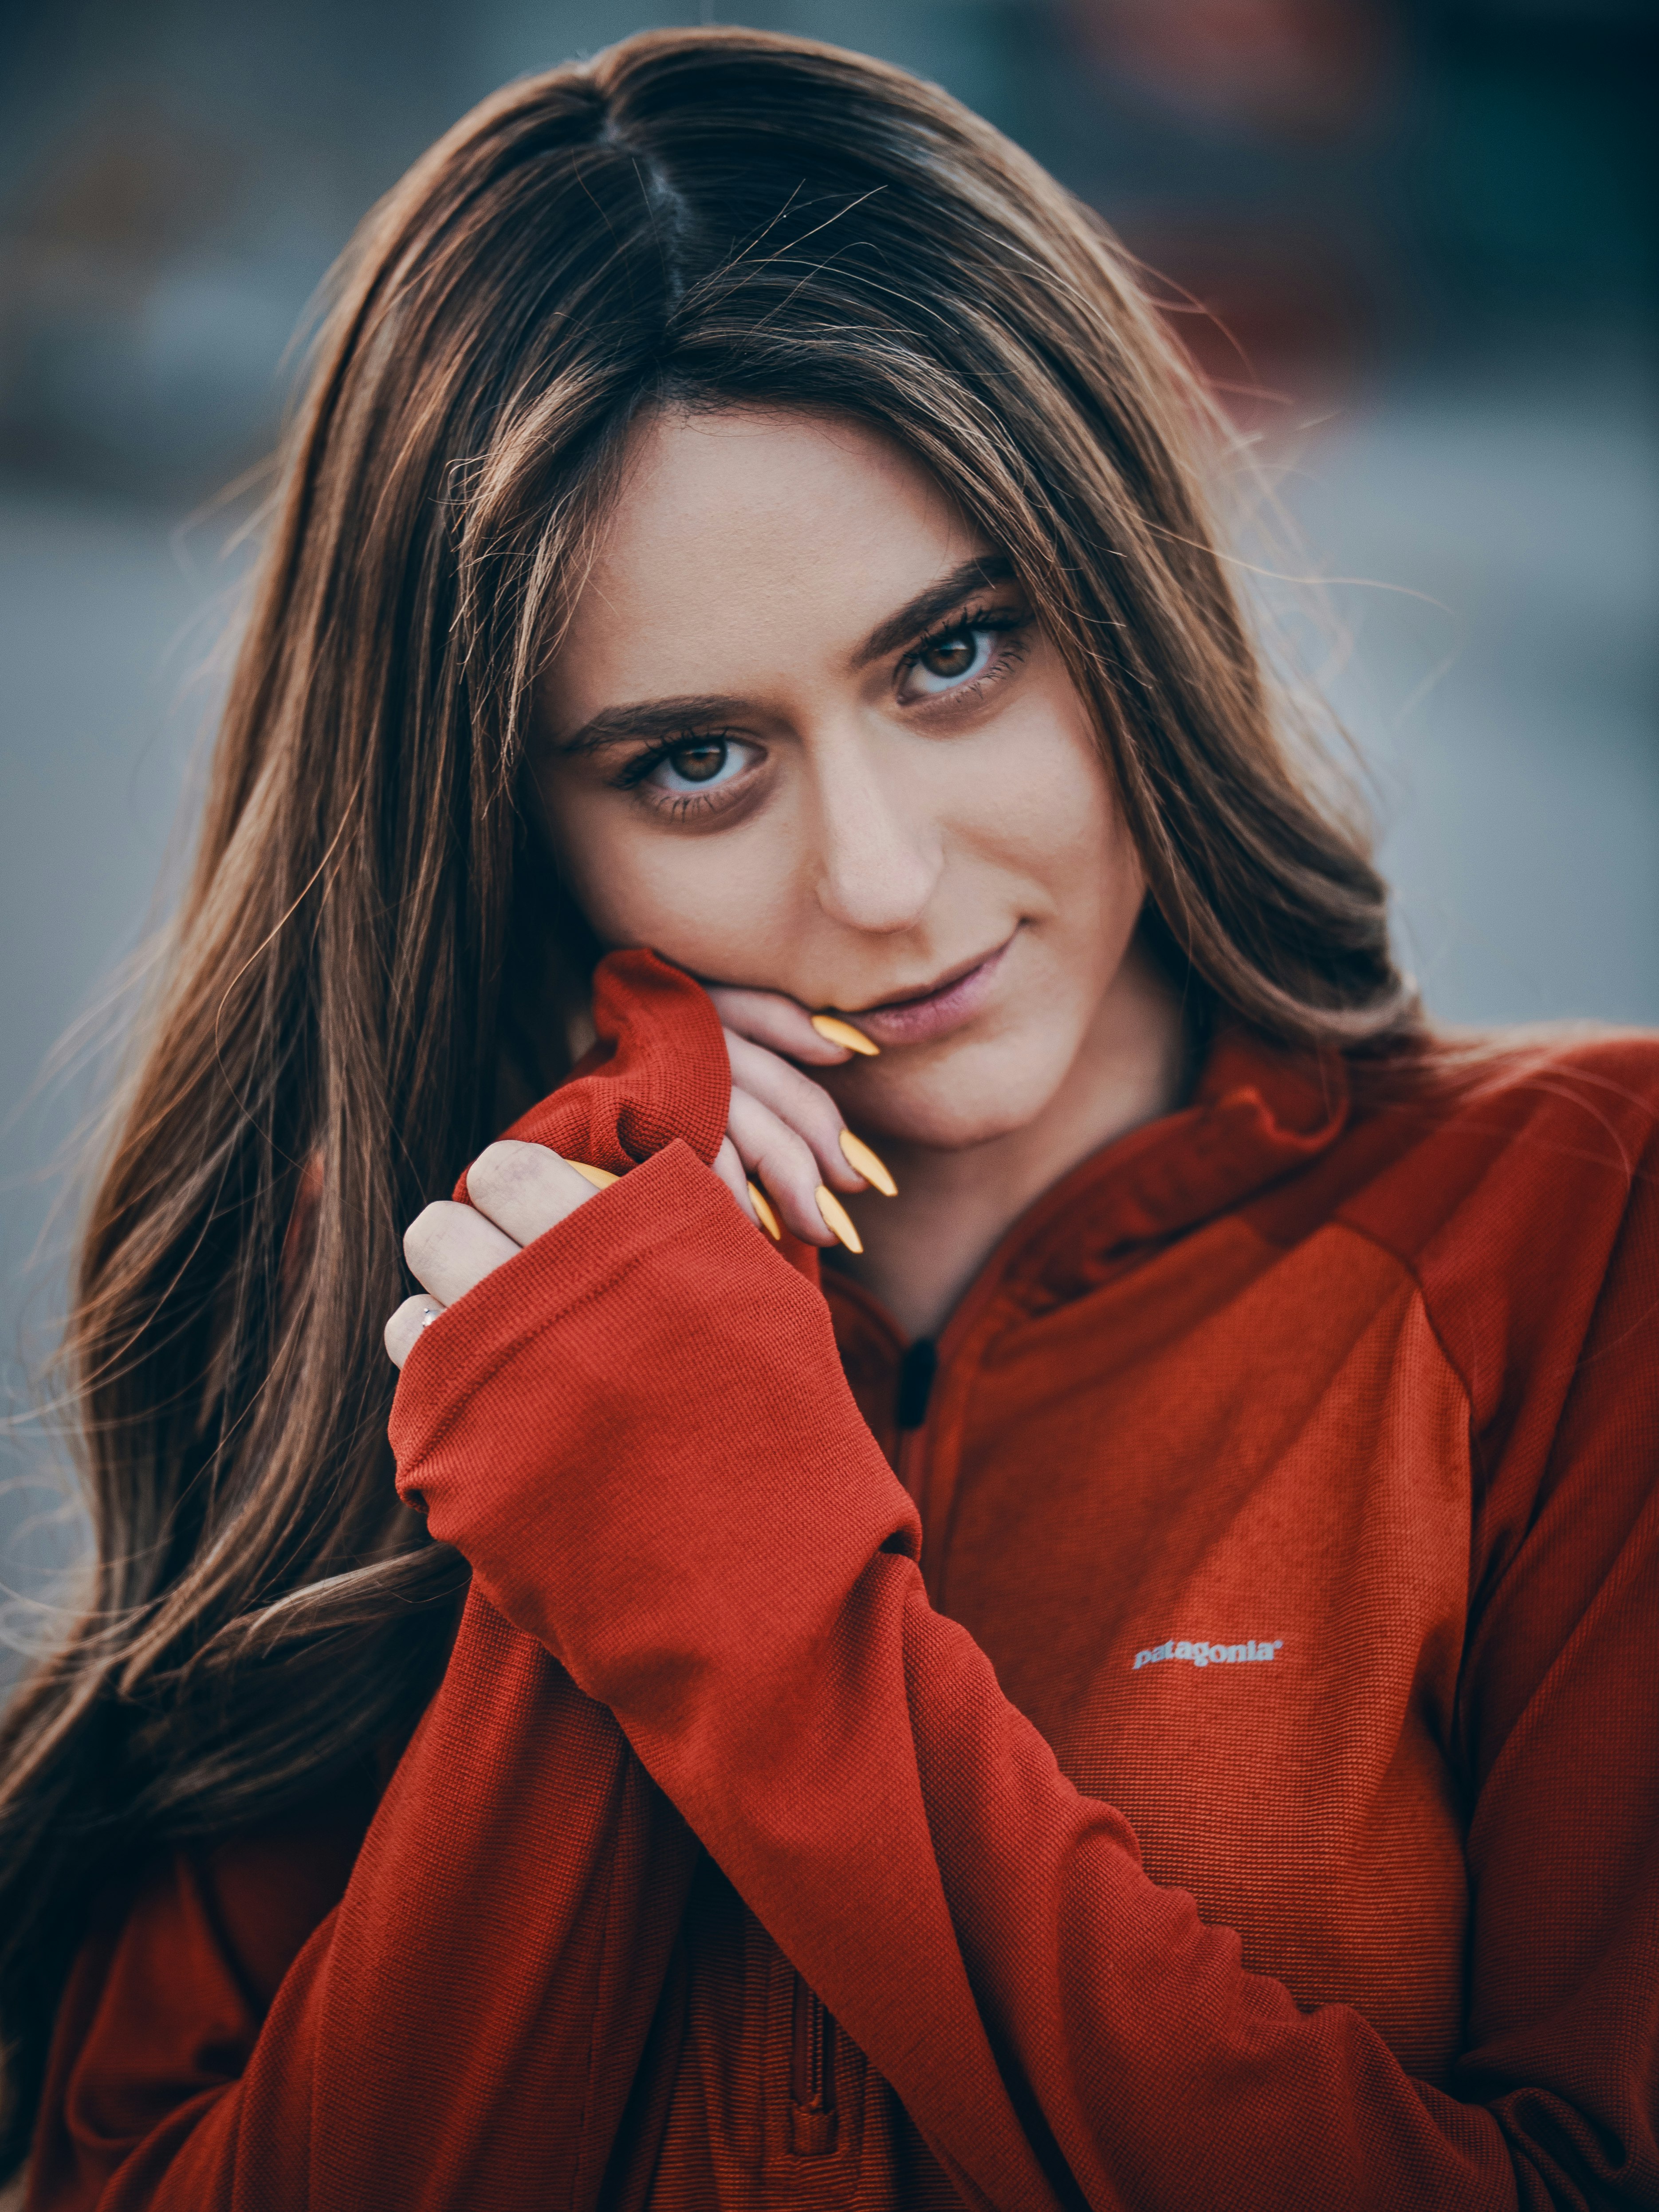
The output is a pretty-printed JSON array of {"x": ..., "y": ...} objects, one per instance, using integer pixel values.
[
  {"x": 1244, "y": 1793},
  {"x": 657, "y": 1071}
]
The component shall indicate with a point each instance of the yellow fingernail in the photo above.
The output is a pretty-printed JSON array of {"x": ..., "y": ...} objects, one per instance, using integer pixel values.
[
  {"x": 601, "y": 1178},
  {"x": 863, "y": 1161},
  {"x": 757, "y": 1199},
  {"x": 835, "y": 1032},
  {"x": 835, "y": 1216}
]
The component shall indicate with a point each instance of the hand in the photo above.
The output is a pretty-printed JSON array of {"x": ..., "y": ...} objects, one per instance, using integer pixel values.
[{"x": 784, "y": 1132}]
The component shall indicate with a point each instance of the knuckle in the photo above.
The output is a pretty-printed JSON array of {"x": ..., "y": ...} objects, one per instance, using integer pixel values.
[
  {"x": 501, "y": 1168},
  {"x": 427, "y": 1234}
]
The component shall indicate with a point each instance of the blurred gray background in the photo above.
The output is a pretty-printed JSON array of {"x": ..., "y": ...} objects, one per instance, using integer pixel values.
[{"x": 1416, "y": 233}]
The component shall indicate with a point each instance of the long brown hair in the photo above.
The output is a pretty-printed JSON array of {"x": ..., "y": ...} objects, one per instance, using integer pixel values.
[{"x": 371, "y": 959}]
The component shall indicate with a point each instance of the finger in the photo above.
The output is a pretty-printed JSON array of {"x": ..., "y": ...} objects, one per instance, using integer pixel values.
[
  {"x": 403, "y": 1331},
  {"x": 782, "y": 1025},
  {"x": 450, "y": 1249},
  {"x": 803, "y": 1105},
  {"x": 729, "y": 1168},
  {"x": 524, "y": 1189},
  {"x": 782, "y": 1163}
]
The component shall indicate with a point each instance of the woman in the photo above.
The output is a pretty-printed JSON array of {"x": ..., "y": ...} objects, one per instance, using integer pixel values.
[{"x": 1021, "y": 1565}]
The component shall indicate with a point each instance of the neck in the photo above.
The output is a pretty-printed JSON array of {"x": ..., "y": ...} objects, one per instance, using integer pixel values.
[{"x": 923, "y": 1249}]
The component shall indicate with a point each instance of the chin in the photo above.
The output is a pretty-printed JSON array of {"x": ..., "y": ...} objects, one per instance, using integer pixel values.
[{"x": 967, "y": 1097}]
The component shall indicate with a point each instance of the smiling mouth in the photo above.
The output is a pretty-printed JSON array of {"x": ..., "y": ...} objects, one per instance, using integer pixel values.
[
  {"x": 946, "y": 982},
  {"x": 914, "y": 1016}
]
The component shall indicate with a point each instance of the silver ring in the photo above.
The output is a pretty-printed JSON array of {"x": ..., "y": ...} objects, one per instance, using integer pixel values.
[{"x": 430, "y": 1315}]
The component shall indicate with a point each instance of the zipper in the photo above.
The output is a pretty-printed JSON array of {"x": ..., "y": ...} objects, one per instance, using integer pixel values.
[
  {"x": 811, "y": 2075},
  {"x": 813, "y": 2123}
]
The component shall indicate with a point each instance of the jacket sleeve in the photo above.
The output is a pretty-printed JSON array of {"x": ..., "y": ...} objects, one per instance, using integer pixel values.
[
  {"x": 745, "y": 1598},
  {"x": 240, "y": 2041},
  {"x": 521, "y": 1876}
]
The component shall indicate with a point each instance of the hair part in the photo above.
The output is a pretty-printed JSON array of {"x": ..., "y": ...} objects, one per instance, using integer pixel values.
[{"x": 374, "y": 966}]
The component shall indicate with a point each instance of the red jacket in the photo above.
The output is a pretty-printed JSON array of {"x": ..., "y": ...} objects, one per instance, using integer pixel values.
[{"x": 1242, "y": 1795}]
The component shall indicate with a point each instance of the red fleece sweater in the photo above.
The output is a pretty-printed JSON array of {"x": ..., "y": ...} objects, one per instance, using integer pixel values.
[{"x": 1244, "y": 1793}]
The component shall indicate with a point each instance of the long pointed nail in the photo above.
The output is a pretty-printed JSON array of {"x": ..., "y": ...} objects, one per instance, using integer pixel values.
[
  {"x": 835, "y": 1217},
  {"x": 768, "y": 1220},
  {"x": 601, "y": 1178},
  {"x": 863, "y": 1161},
  {"x": 835, "y": 1032}
]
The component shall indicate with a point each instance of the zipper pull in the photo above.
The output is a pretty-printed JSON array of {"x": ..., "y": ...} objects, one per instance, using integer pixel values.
[{"x": 812, "y": 2124}]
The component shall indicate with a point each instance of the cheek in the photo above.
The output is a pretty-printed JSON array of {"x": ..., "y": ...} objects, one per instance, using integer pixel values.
[
  {"x": 1043, "y": 810},
  {"x": 1101, "y": 883},
  {"x": 695, "y": 900}
]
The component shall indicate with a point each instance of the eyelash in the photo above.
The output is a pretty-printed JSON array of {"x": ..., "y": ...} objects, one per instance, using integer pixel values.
[
  {"x": 1001, "y": 622},
  {"x": 679, "y": 804},
  {"x": 1008, "y": 622}
]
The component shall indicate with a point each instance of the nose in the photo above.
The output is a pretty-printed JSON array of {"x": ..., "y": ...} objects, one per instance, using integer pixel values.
[{"x": 881, "y": 851}]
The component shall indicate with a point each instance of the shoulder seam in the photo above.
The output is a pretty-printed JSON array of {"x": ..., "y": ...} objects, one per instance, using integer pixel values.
[{"x": 1410, "y": 1269}]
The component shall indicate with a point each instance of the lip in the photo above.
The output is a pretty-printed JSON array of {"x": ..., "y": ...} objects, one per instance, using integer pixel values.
[{"x": 928, "y": 1014}]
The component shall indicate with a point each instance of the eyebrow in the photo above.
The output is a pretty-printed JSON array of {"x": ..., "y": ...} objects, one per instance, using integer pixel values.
[
  {"x": 650, "y": 717},
  {"x": 667, "y": 718},
  {"x": 930, "y": 607}
]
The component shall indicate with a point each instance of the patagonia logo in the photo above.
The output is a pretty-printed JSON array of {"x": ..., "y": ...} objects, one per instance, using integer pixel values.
[{"x": 1209, "y": 1655}]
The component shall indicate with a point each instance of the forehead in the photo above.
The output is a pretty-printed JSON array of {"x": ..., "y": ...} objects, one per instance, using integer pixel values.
[{"x": 749, "y": 533}]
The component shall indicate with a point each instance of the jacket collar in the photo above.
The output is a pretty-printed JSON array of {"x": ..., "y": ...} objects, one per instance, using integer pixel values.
[{"x": 1256, "y": 1114}]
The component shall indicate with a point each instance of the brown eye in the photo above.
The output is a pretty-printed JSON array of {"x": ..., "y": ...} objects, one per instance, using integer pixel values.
[
  {"x": 699, "y": 763},
  {"x": 951, "y": 657},
  {"x": 704, "y": 764},
  {"x": 985, "y": 644}
]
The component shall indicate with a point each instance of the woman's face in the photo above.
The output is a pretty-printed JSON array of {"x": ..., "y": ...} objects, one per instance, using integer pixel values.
[{"x": 804, "y": 736}]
